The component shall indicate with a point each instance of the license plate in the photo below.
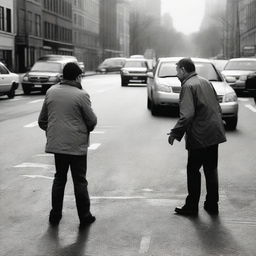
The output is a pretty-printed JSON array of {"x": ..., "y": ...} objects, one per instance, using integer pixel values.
[
  {"x": 37, "y": 85},
  {"x": 134, "y": 77}
]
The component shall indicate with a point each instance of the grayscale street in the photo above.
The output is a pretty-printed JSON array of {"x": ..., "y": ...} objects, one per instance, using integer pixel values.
[{"x": 136, "y": 179}]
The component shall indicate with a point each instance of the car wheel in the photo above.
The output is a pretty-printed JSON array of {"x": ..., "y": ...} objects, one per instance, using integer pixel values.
[
  {"x": 149, "y": 103},
  {"x": 26, "y": 90},
  {"x": 255, "y": 99},
  {"x": 154, "y": 108},
  {"x": 231, "y": 123},
  {"x": 11, "y": 93},
  {"x": 123, "y": 83}
]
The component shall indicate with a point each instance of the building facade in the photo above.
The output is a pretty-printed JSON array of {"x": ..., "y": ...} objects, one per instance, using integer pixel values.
[
  {"x": 7, "y": 32},
  {"x": 86, "y": 27}
]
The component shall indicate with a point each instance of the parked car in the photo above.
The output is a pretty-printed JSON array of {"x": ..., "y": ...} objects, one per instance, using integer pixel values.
[
  {"x": 238, "y": 70},
  {"x": 81, "y": 65},
  {"x": 137, "y": 56},
  {"x": 43, "y": 75},
  {"x": 56, "y": 57},
  {"x": 9, "y": 82},
  {"x": 164, "y": 88},
  {"x": 111, "y": 65},
  {"x": 134, "y": 71},
  {"x": 219, "y": 63}
]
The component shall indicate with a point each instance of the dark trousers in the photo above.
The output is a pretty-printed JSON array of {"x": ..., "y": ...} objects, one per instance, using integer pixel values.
[
  {"x": 208, "y": 158},
  {"x": 78, "y": 166}
]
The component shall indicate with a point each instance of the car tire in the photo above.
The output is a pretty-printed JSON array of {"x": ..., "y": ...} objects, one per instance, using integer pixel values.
[
  {"x": 154, "y": 108},
  {"x": 149, "y": 103},
  {"x": 26, "y": 90},
  {"x": 11, "y": 93},
  {"x": 231, "y": 123},
  {"x": 123, "y": 83}
]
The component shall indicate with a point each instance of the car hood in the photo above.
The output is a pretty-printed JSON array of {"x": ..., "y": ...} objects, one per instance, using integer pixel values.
[
  {"x": 38, "y": 73},
  {"x": 136, "y": 69},
  {"x": 236, "y": 72},
  {"x": 220, "y": 87}
]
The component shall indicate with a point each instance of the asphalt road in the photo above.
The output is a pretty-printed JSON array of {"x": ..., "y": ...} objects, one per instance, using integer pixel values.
[{"x": 135, "y": 181}]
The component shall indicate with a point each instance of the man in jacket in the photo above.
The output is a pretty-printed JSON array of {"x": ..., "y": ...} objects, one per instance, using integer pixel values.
[
  {"x": 200, "y": 119},
  {"x": 67, "y": 118}
]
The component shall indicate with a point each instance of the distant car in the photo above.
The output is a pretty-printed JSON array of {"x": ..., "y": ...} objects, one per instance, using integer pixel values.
[
  {"x": 238, "y": 70},
  {"x": 111, "y": 65},
  {"x": 137, "y": 56},
  {"x": 164, "y": 88},
  {"x": 56, "y": 57},
  {"x": 9, "y": 82},
  {"x": 43, "y": 75},
  {"x": 81, "y": 65},
  {"x": 219, "y": 63},
  {"x": 134, "y": 71}
]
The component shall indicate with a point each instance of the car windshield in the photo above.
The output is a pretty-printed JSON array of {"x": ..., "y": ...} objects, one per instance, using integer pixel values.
[
  {"x": 111, "y": 62},
  {"x": 46, "y": 67},
  {"x": 206, "y": 70},
  {"x": 241, "y": 65},
  {"x": 135, "y": 64}
]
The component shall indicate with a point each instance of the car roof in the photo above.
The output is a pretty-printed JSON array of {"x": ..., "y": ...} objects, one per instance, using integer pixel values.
[
  {"x": 136, "y": 59},
  {"x": 243, "y": 59},
  {"x": 195, "y": 59}
]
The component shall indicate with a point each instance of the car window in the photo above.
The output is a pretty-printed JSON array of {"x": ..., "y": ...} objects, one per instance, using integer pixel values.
[
  {"x": 3, "y": 70},
  {"x": 241, "y": 65},
  {"x": 135, "y": 64},
  {"x": 47, "y": 66},
  {"x": 206, "y": 70}
]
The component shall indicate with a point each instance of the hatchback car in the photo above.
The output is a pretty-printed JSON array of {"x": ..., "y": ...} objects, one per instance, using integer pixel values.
[
  {"x": 56, "y": 57},
  {"x": 134, "y": 71},
  {"x": 111, "y": 65},
  {"x": 164, "y": 88},
  {"x": 9, "y": 81},
  {"x": 42, "y": 76},
  {"x": 238, "y": 70}
]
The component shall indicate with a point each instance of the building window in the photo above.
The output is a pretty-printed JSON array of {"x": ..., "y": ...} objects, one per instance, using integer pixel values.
[
  {"x": 30, "y": 22},
  {"x": 38, "y": 25},
  {"x": 1, "y": 18},
  {"x": 8, "y": 20}
]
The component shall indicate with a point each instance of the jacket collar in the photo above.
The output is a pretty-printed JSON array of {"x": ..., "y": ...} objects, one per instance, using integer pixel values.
[
  {"x": 72, "y": 83},
  {"x": 188, "y": 77}
]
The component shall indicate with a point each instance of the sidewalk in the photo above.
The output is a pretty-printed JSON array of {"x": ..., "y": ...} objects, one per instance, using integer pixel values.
[{"x": 19, "y": 90}]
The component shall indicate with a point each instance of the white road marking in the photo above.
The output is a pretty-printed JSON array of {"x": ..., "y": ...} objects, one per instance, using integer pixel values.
[
  {"x": 38, "y": 176},
  {"x": 34, "y": 165},
  {"x": 35, "y": 101},
  {"x": 33, "y": 124},
  {"x": 144, "y": 244},
  {"x": 46, "y": 154},
  {"x": 94, "y": 146},
  {"x": 253, "y": 109},
  {"x": 117, "y": 197},
  {"x": 147, "y": 190},
  {"x": 97, "y": 132}
]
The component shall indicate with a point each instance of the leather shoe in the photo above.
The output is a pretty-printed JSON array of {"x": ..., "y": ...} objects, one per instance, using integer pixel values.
[
  {"x": 54, "y": 218},
  {"x": 186, "y": 211},
  {"x": 89, "y": 219},
  {"x": 211, "y": 209}
]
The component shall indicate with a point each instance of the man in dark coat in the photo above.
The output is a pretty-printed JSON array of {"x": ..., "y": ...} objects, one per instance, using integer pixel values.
[
  {"x": 67, "y": 118},
  {"x": 200, "y": 119}
]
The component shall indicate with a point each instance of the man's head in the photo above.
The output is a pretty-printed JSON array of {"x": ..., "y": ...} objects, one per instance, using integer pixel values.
[
  {"x": 71, "y": 71},
  {"x": 184, "y": 67}
]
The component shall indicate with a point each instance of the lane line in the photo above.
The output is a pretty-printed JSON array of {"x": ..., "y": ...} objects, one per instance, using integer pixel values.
[
  {"x": 35, "y": 101},
  {"x": 34, "y": 165},
  {"x": 117, "y": 197},
  {"x": 144, "y": 244},
  {"x": 38, "y": 176},
  {"x": 31, "y": 125},
  {"x": 94, "y": 146},
  {"x": 253, "y": 109}
]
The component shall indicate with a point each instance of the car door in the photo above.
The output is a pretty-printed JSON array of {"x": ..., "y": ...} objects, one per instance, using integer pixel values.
[{"x": 5, "y": 79}]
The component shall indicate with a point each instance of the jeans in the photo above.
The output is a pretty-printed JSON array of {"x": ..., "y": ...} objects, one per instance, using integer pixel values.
[
  {"x": 78, "y": 166},
  {"x": 208, "y": 158}
]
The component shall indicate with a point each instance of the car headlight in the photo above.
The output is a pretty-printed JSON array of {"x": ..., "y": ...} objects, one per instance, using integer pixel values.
[
  {"x": 103, "y": 70},
  {"x": 230, "y": 97},
  {"x": 163, "y": 88},
  {"x": 25, "y": 78},
  {"x": 54, "y": 79},
  {"x": 243, "y": 78},
  {"x": 125, "y": 72}
]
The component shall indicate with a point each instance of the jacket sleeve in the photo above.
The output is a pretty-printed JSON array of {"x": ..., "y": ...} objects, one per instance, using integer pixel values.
[
  {"x": 89, "y": 117},
  {"x": 187, "y": 112},
  {"x": 43, "y": 117}
]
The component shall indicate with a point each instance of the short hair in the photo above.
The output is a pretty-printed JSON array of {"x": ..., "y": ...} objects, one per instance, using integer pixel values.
[
  {"x": 187, "y": 64},
  {"x": 71, "y": 71}
]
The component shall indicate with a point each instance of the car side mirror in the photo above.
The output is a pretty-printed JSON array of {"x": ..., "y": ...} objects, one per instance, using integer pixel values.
[
  {"x": 150, "y": 74},
  {"x": 230, "y": 79}
]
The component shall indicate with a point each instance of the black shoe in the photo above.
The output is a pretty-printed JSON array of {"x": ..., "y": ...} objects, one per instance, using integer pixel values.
[
  {"x": 87, "y": 220},
  {"x": 54, "y": 218},
  {"x": 186, "y": 211},
  {"x": 212, "y": 209}
]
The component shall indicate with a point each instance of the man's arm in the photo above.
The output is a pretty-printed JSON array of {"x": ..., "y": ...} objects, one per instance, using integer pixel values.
[{"x": 43, "y": 117}]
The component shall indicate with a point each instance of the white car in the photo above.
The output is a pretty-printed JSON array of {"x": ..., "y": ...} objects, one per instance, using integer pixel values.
[
  {"x": 9, "y": 81},
  {"x": 164, "y": 87}
]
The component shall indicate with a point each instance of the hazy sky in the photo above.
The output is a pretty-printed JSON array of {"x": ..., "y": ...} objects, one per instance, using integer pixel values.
[{"x": 186, "y": 14}]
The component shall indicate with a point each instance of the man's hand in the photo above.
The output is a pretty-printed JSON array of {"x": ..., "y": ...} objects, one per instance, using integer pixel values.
[{"x": 171, "y": 138}]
